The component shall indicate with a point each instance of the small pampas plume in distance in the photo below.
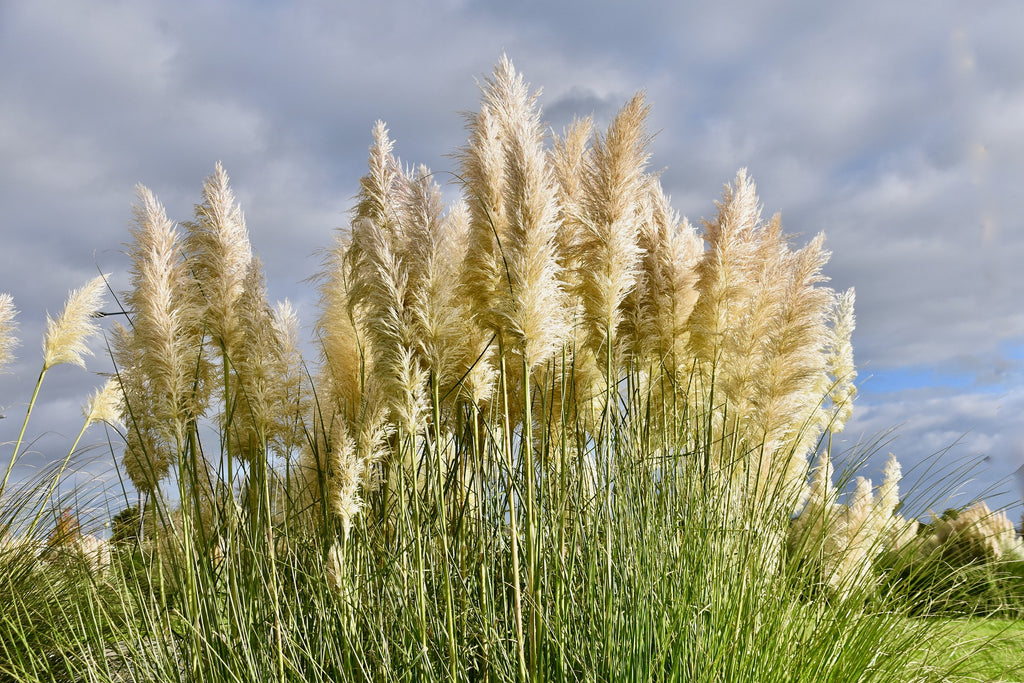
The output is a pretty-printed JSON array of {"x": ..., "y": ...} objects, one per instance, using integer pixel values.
[
  {"x": 7, "y": 327},
  {"x": 94, "y": 552},
  {"x": 68, "y": 334},
  {"x": 106, "y": 404},
  {"x": 977, "y": 533},
  {"x": 839, "y": 350}
]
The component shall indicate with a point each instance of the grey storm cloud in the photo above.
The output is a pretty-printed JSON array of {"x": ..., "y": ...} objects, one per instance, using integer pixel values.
[{"x": 895, "y": 128}]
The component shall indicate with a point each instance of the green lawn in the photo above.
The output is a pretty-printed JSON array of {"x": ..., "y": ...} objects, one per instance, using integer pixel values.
[{"x": 990, "y": 649}]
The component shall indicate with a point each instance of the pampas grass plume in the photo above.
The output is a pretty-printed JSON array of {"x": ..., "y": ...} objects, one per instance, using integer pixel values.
[
  {"x": 165, "y": 329},
  {"x": 608, "y": 254},
  {"x": 841, "y": 367},
  {"x": 531, "y": 307},
  {"x": 341, "y": 349},
  {"x": 106, "y": 404},
  {"x": 219, "y": 253},
  {"x": 7, "y": 327},
  {"x": 67, "y": 336}
]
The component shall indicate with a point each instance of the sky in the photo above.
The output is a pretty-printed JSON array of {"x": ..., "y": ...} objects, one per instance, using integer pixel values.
[{"x": 895, "y": 128}]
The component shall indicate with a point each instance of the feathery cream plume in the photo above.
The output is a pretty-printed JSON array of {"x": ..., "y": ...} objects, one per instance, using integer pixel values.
[
  {"x": 106, "y": 404},
  {"x": 379, "y": 189},
  {"x": 721, "y": 330},
  {"x": 345, "y": 474},
  {"x": 147, "y": 456},
  {"x": 288, "y": 432},
  {"x": 165, "y": 321},
  {"x": 68, "y": 334},
  {"x": 218, "y": 252},
  {"x": 531, "y": 306},
  {"x": 256, "y": 382},
  {"x": 977, "y": 533},
  {"x": 608, "y": 255},
  {"x": 787, "y": 390},
  {"x": 381, "y": 266},
  {"x": 338, "y": 470},
  {"x": 815, "y": 522},
  {"x": 373, "y": 432},
  {"x": 889, "y": 491},
  {"x": 380, "y": 285},
  {"x": 660, "y": 305},
  {"x": 476, "y": 366},
  {"x": 435, "y": 249},
  {"x": 482, "y": 169},
  {"x": 569, "y": 158},
  {"x": 856, "y": 541},
  {"x": 341, "y": 348},
  {"x": 723, "y": 273},
  {"x": 842, "y": 372},
  {"x": 7, "y": 327}
]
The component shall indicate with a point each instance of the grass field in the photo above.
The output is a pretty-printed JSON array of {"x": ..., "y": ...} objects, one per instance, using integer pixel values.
[{"x": 990, "y": 649}]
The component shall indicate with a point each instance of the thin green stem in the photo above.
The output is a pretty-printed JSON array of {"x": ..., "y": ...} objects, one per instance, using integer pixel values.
[{"x": 21, "y": 434}]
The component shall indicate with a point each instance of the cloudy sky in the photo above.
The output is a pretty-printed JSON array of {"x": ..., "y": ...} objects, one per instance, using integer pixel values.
[{"x": 895, "y": 128}]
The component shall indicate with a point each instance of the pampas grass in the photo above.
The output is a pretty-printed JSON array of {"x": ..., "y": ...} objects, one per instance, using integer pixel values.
[
  {"x": 67, "y": 335},
  {"x": 8, "y": 340},
  {"x": 66, "y": 341},
  {"x": 218, "y": 251},
  {"x": 552, "y": 432}
]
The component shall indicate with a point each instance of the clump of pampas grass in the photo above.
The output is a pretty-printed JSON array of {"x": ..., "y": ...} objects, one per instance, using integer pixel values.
[
  {"x": 839, "y": 543},
  {"x": 974, "y": 534}
]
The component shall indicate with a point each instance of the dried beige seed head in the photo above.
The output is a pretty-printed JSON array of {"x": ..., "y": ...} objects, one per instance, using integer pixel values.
[
  {"x": 841, "y": 369},
  {"x": 7, "y": 327},
  {"x": 68, "y": 334},
  {"x": 342, "y": 351},
  {"x": 218, "y": 254},
  {"x": 608, "y": 256},
  {"x": 166, "y": 325},
  {"x": 512, "y": 273},
  {"x": 106, "y": 404},
  {"x": 288, "y": 433}
]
